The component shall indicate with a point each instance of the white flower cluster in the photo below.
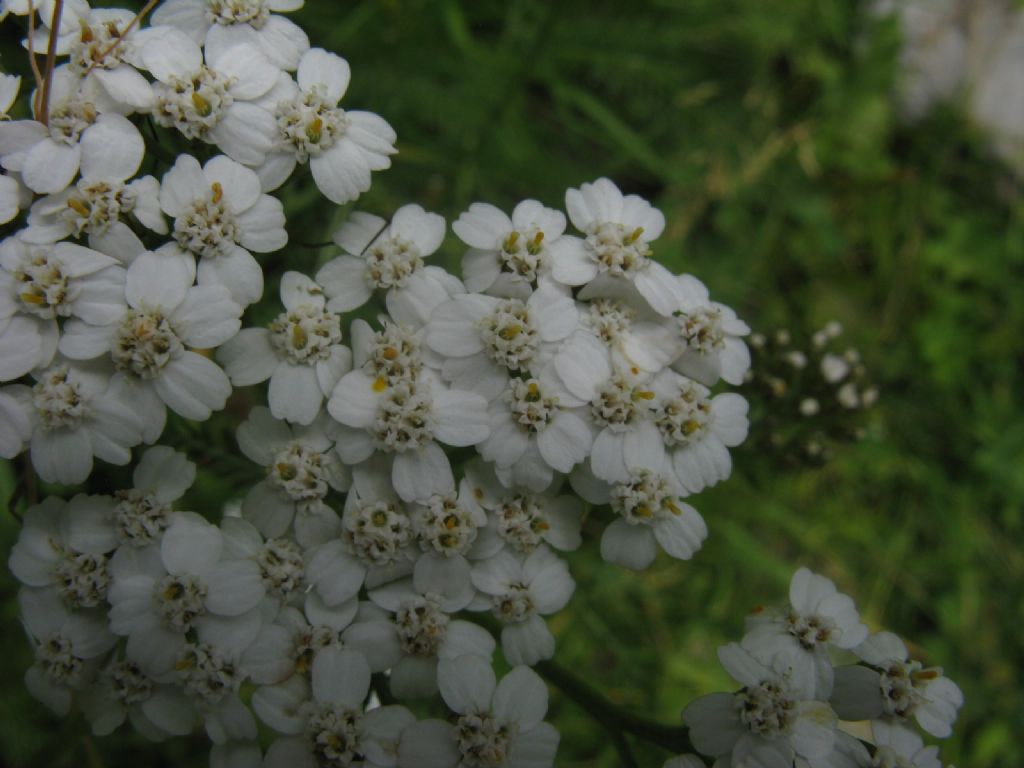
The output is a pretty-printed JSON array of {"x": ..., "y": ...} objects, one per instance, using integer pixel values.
[
  {"x": 416, "y": 469},
  {"x": 792, "y": 700}
]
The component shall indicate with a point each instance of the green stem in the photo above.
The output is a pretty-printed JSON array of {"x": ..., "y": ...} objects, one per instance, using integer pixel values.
[{"x": 673, "y": 738}]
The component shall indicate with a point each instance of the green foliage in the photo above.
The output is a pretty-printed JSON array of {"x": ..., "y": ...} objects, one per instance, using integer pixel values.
[{"x": 766, "y": 133}]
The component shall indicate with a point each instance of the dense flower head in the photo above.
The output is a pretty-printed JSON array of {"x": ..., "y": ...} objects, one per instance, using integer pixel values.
[{"x": 418, "y": 452}]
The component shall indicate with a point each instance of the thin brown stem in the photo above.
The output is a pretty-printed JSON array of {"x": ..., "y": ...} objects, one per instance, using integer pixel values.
[
  {"x": 51, "y": 61},
  {"x": 123, "y": 34},
  {"x": 33, "y": 63}
]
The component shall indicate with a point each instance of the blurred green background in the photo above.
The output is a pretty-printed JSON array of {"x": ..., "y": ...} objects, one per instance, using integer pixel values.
[{"x": 766, "y": 133}]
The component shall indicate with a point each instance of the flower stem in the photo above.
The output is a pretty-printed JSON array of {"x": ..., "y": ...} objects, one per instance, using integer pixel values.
[{"x": 673, "y": 738}]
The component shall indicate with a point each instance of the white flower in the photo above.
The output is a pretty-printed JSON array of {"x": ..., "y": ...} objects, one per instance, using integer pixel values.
[
  {"x": 535, "y": 431},
  {"x": 376, "y": 539},
  {"x": 525, "y": 520},
  {"x": 287, "y": 646},
  {"x": 149, "y": 343},
  {"x": 428, "y": 633},
  {"x": 10, "y": 198},
  {"x": 328, "y": 724},
  {"x": 25, "y": 343},
  {"x": 650, "y": 512},
  {"x": 98, "y": 204},
  {"x": 15, "y": 426},
  {"x": 684, "y": 761},
  {"x": 485, "y": 339},
  {"x": 68, "y": 646},
  {"x": 342, "y": 147},
  {"x": 157, "y": 598},
  {"x": 698, "y": 429},
  {"x": 48, "y": 554},
  {"x": 51, "y": 281},
  {"x": 709, "y": 334},
  {"x": 142, "y": 512},
  {"x": 213, "y": 102},
  {"x": 508, "y": 256},
  {"x": 628, "y": 440},
  {"x": 220, "y": 215},
  {"x": 404, "y": 421},
  {"x": 281, "y": 561},
  {"x": 219, "y": 25},
  {"x": 76, "y": 412},
  {"x": 301, "y": 468},
  {"x": 450, "y": 532},
  {"x": 389, "y": 257},
  {"x": 101, "y": 45},
  {"x": 615, "y": 258},
  {"x": 613, "y": 336},
  {"x": 500, "y": 725},
  {"x": 521, "y": 591},
  {"x": 49, "y": 156},
  {"x": 899, "y": 747},
  {"x": 769, "y": 721},
  {"x": 896, "y": 687},
  {"x": 819, "y": 615},
  {"x": 123, "y": 691},
  {"x": 300, "y": 352},
  {"x": 210, "y": 673},
  {"x": 395, "y": 353}
]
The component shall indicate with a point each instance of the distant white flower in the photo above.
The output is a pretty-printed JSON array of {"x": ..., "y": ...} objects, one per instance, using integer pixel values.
[
  {"x": 404, "y": 422},
  {"x": 300, "y": 352},
  {"x": 342, "y": 147},
  {"x": 508, "y": 256},
  {"x": 651, "y": 513},
  {"x": 76, "y": 412},
  {"x": 220, "y": 215},
  {"x": 301, "y": 468},
  {"x": 614, "y": 259},
  {"x": 499, "y": 724},
  {"x": 709, "y": 334},
  {"x": 213, "y": 102},
  {"x": 389, "y": 257},
  {"x": 219, "y": 25},
  {"x": 522, "y": 590},
  {"x": 535, "y": 431},
  {"x": 698, "y": 429},
  {"x": 770, "y": 721},
  {"x": 149, "y": 343},
  {"x": 896, "y": 687},
  {"x": 818, "y": 616},
  {"x": 49, "y": 156},
  {"x": 326, "y": 722},
  {"x": 684, "y": 761},
  {"x": 485, "y": 339},
  {"x": 157, "y": 599}
]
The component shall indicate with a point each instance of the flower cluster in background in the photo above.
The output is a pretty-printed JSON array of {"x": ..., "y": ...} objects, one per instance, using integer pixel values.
[
  {"x": 808, "y": 396},
  {"x": 792, "y": 700},
  {"x": 430, "y": 443}
]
